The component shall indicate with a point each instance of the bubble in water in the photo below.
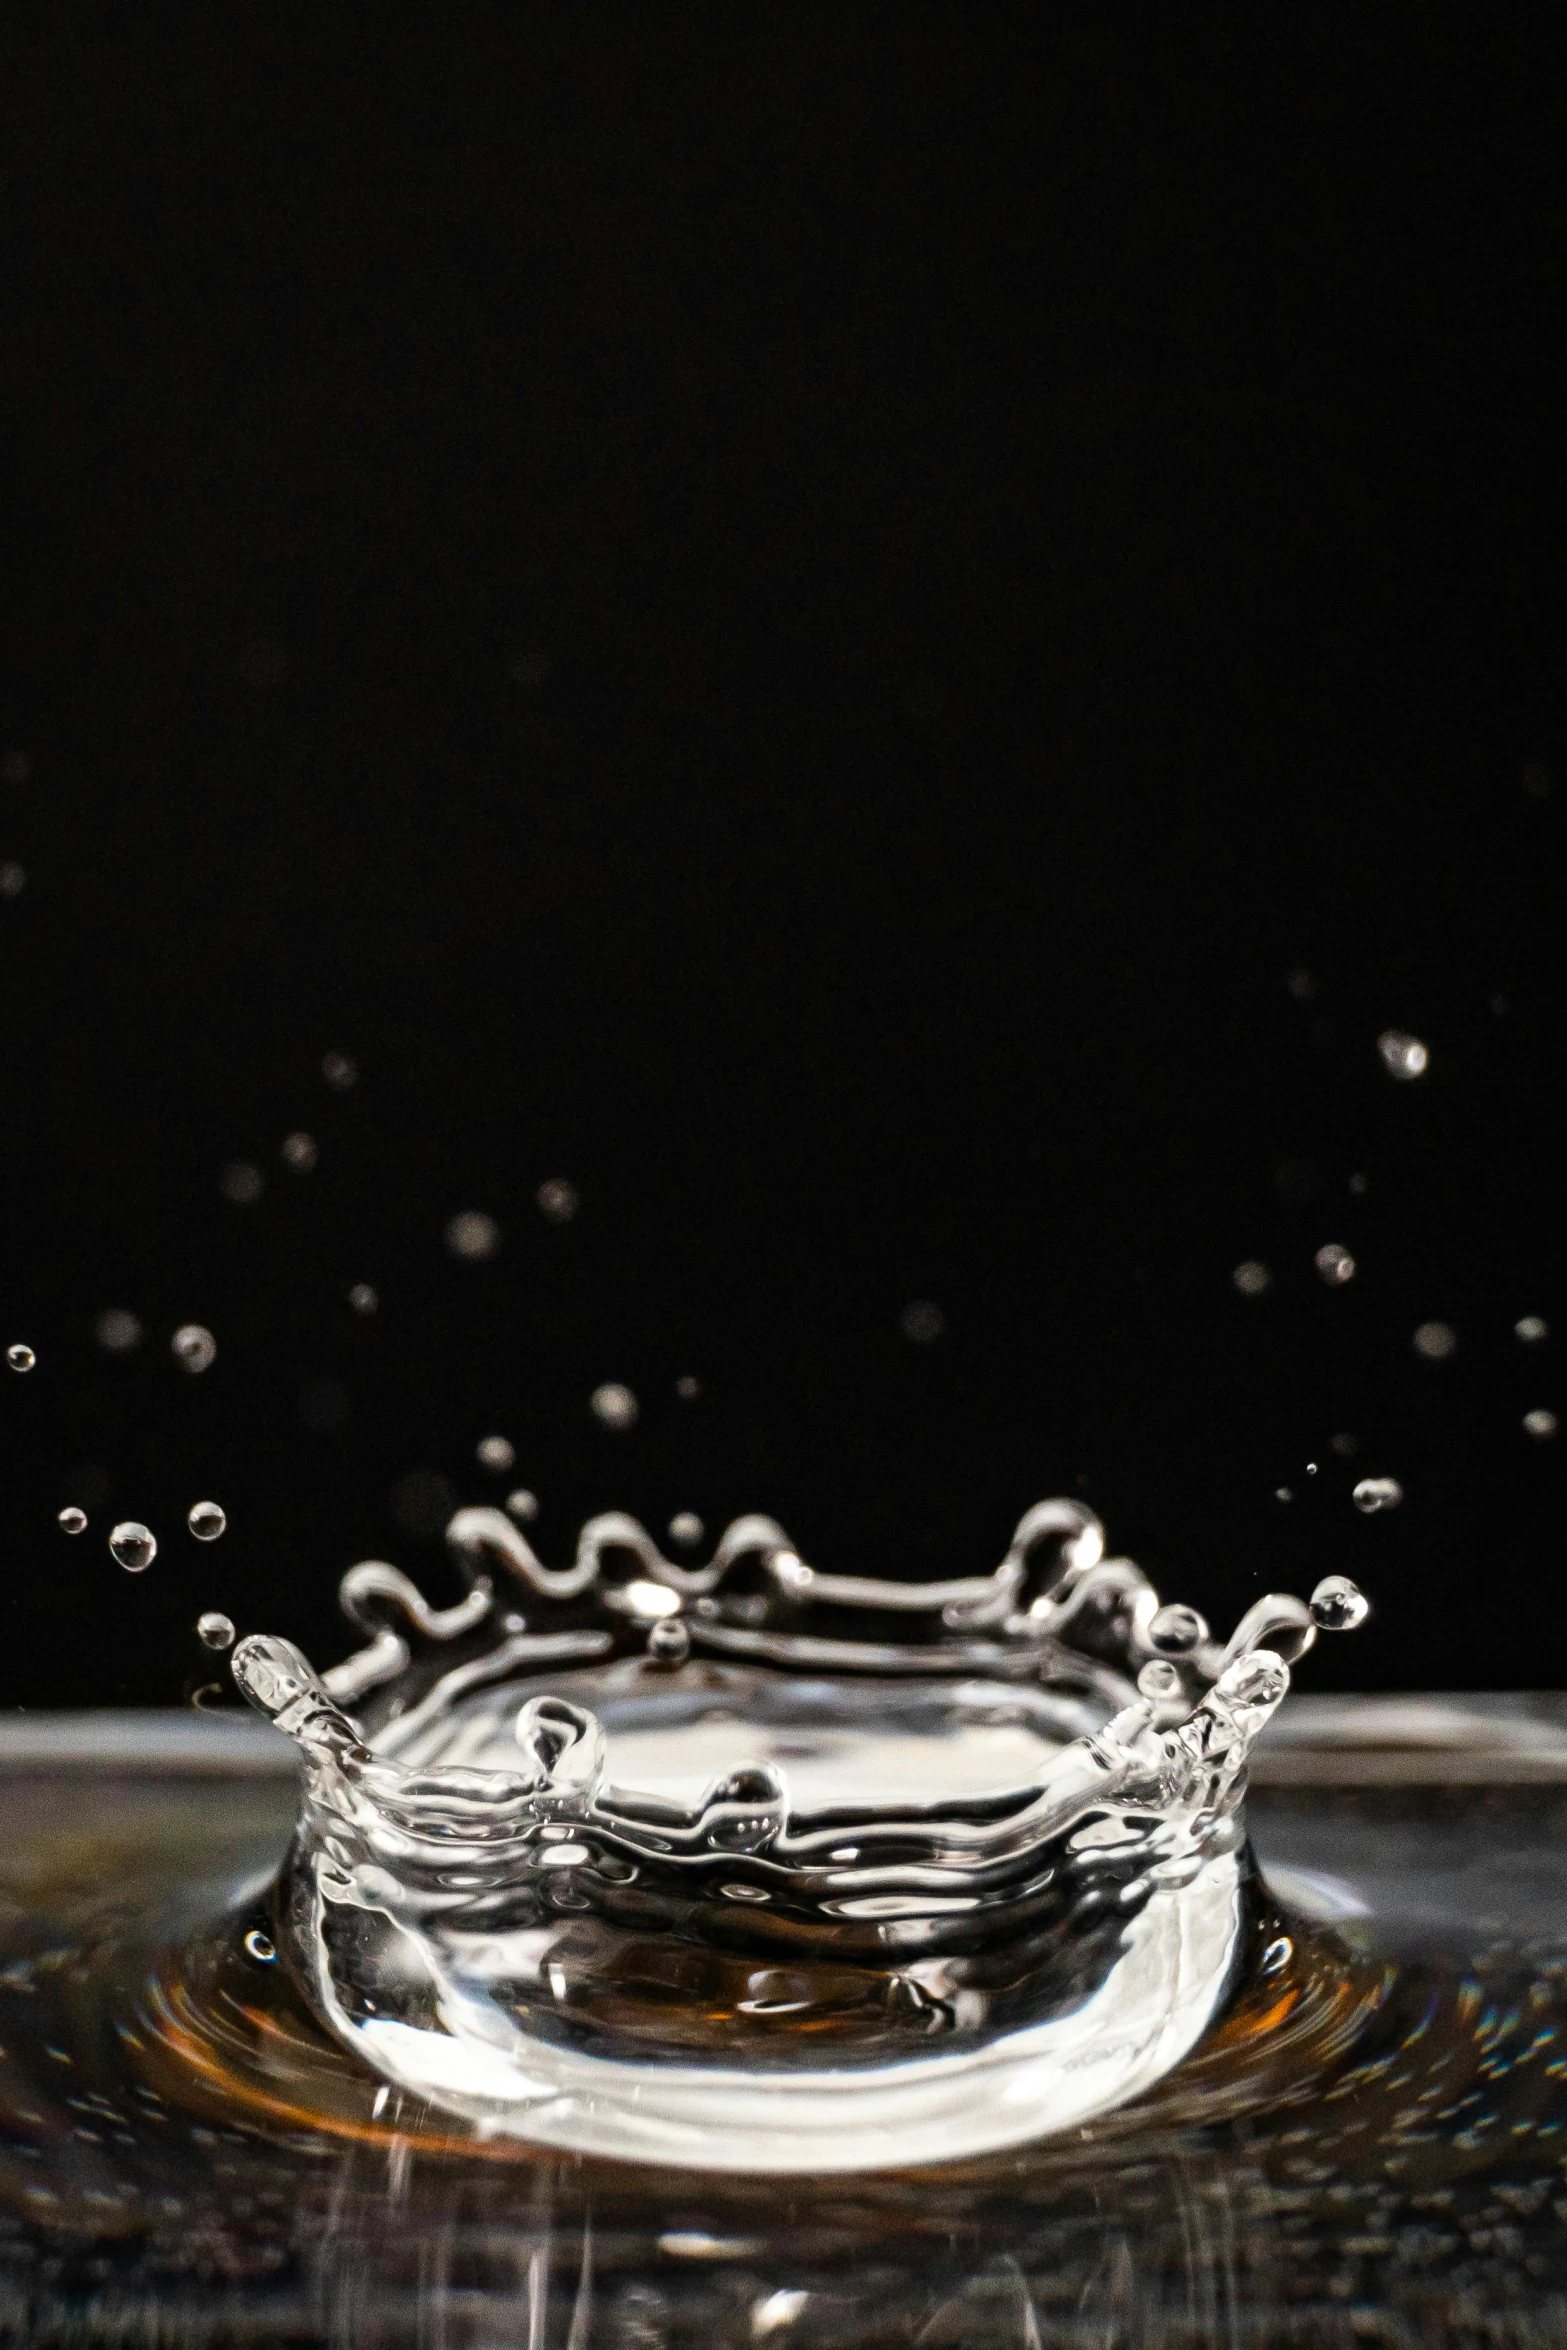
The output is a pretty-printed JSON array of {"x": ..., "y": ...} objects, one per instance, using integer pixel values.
[
  {"x": 1435, "y": 1341},
  {"x": 1532, "y": 1329},
  {"x": 613, "y": 1405},
  {"x": 558, "y": 1200},
  {"x": 206, "y": 1520},
  {"x": 242, "y": 1183},
  {"x": 922, "y": 1321},
  {"x": 1251, "y": 1278},
  {"x": 20, "y": 1358},
  {"x": 688, "y": 1388},
  {"x": 1403, "y": 1056},
  {"x": 1335, "y": 1264},
  {"x": 117, "y": 1331},
  {"x": 261, "y": 1946},
  {"x": 299, "y": 1152},
  {"x": 1338, "y": 1605},
  {"x": 495, "y": 1452},
  {"x": 133, "y": 1546},
  {"x": 363, "y": 1298},
  {"x": 473, "y": 1236},
  {"x": 685, "y": 1528},
  {"x": 668, "y": 1641},
  {"x": 523, "y": 1505},
  {"x": 1377, "y": 1493},
  {"x": 72, "y": 1520},
  {"x": 13, "y": 879},
  {"x": 194, "y": 1348},
  {"x": 1541, "y": 1425},
  {"x": 340, "y": 1070},
  {"x": 1159, "y": 1679},
  {"x": 215, "y": 1630}
]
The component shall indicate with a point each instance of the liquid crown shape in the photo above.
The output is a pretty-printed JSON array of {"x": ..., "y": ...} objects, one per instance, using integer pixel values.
[{"x": 748, "y": 1866}]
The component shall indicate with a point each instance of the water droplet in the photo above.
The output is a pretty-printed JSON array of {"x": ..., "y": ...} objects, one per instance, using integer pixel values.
[
  {"x": 1541, "y": 1425},
  {"x": 215, "y": 1630},
  {"x": 1282, "y": 1493},
  {"x": 1338, "y": 1605},
  {"x": 1251, "y": 1278},
  {"x": 205, "y": 1520},
  {"x": 20, "y": 1357},
  {"x": 495, "y": 1452},
  {"x": 922, "y": 1321},
  {"x": 363, "y": 1298},
  {"x": 1335, "y": 1264},
  {"x": 558, "y": 1200},
  {"x": 13, "y": 879},
  {"x": 1278, "y": 1954},
  {"x": 1359, "y": 1185},
  {"x": 1403, "y": 1056},
  {"x": 668, "y": 1641},
  {"x": 1435, "y": 1341},
  {"x": 133, "y": 1546},
  {"x": 523, "y": 1505},
  {"x": 261, "y": 1946},
  {"x": 340, "y": 1070},
  {"x": 242, "y": 1183},
  {"x": 1159, "y": 1679},
  {"x": 614, "y": 1406},
  {"x": 194, "y": 1348},
  {"x": 1532, "y": 1329},
  {"x": 1311, "y": 1468},
  {"x": 299, "y": 1152},
  {"x": 72, "y": 1521},
  {"x": 685, "y": 1528},
  {"x": 473, "y": 1235},
  {"x": 1257, "y": 1678},
  {"x": 1177, "y": 1629},
  {"x": 688, "y": 1389},
  {"x": 117, "y": 1331},
  {"x": 1373, "y": 1494}
]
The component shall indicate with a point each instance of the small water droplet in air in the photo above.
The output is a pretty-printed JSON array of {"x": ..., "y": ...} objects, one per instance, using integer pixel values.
[
  {"x": 1403, "y": 1056},
  {"x": 1541, "y": 1425},
  {"x": 194, "y": 1348},
  {"x": 214, "y": 1630},
  {"x": 922, "y": 1321},
  {"x": 261, "y": 1946},
  {"x": 1377, "y": 1493},
  {"x": 242, "y": 1183},
  {"x": 13, "y": 879},
  {"x": 523, "y": 1505},
  {"x": 495, "y": 1452},
  {"x": 613, "y": 1405},
  {"x": 1283, "y": 1493},
  {"x": 1302, "y": 984},
  {"x": 363, "y": 1298},
  {"x": 20, "y": 1357},
  {"x": 1278, "y": 1954},
  {"x": 1251, "y": 1278},
  {"x": 558, "y": 1200},
  {"x": 1311, "y": 1468},
  {"x": 205, "y": 1520},
  {"x": 688, "y": 1389},
  {"x": 1532, "y": 1329},
  {"x": 133, "y": 1546},
  {"x": 685, "y": 1528},
  {"x": 1359, "y": 1185},
  {"x": 473, "y": 1236},
  {"x": 1177, "y": 1629},
  {"x": 117, "y": 1331},
  {"x": 73, "y": 1521},
  {"x": 299, "y": 1152},
  {"x": 340, "y": 1070},
  {"x": 1335, "y": 1264},
  {"x": 1159, "y": 1679},
  {"x": 1344, "y": 1446},
  {"x": 668, "y": 1641},
  {"x": 1338, "y": 1605},
  {"x": 1435, "y": 1341}
]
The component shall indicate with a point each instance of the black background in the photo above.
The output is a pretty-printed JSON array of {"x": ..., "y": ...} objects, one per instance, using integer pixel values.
[{"x": 799, "y": 616}]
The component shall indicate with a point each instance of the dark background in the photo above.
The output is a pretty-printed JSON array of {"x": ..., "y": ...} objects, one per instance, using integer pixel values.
[{"x": 799, "y": 616}]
